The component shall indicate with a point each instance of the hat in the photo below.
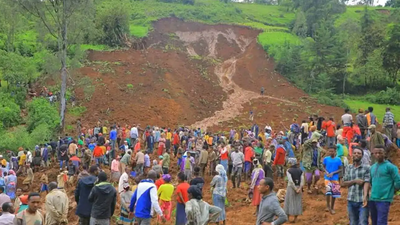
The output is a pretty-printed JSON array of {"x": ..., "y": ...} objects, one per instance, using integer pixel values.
[
  {"x": 166, "y": 177},
  {"x": 160, "y": 157},
  {"x": 314, "y": 141},
  {"x": 372, "y": 126}
]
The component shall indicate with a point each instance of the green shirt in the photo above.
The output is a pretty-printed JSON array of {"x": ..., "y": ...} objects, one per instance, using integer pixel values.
[
  {"x": 166, "y": 159},
  {"x": 385, "y": 179}
]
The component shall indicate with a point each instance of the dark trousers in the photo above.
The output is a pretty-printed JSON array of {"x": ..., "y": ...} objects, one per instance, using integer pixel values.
[
  {"x": 379, "y": 212},
  {"x": 165, "y": 170},
  {"x": 84, "y": 220},
  {"x": 176, "y": 149}
]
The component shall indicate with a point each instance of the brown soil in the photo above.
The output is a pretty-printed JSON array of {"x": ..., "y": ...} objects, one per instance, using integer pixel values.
[{"x": 205, "y": 76}]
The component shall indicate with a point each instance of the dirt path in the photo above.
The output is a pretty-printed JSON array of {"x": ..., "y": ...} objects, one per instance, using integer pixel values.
[{"x": 225, "y": 71}]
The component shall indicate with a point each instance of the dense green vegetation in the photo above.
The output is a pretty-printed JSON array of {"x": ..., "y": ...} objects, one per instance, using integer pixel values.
[{"x": 325, "y": 48}]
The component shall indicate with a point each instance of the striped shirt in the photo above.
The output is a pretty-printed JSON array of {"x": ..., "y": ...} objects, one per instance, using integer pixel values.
[
  {"x": 355, "y": 192},
  {"x": 388, "y": 119}
]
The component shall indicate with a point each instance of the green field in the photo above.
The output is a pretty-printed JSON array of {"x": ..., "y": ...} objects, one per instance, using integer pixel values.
[
  {"x": 379, "y": 110},
  {"x": 355, "y": 13}
]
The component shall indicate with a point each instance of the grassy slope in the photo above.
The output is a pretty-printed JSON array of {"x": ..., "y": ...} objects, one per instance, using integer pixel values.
[{"x": 379, "y": 110}]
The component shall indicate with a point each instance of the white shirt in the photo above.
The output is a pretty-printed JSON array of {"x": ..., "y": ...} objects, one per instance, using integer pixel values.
[
  {"x": 347, "y": 118},
  {"x": 134, "y": 132},
  {"x": 123, "y": 179},
  {"x": 7, "y": 218}
]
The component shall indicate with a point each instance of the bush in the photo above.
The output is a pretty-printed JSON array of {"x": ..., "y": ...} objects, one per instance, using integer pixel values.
[
  {"x": 390, "y": 96},
  {"x": 77, "y": 110},
  {"x": 331, "y": 99},
  {"x": 20, "y": 137},
  {"x": 113, "y": 23},
  {"x": 41, "y": 112},
  {"x": 9, "y": 111}
]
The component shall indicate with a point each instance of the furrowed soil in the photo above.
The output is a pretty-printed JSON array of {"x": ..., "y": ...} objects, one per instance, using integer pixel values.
[{"x": 206, "y": 76}]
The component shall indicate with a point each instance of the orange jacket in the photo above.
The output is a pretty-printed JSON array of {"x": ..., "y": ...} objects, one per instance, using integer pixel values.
[{"x": 97, "y": 152}]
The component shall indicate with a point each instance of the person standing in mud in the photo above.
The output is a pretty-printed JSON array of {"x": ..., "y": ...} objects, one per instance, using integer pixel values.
[
  {"x": 251, "y": 115},
  {"x": 270, "y": 207},
  {"x": 311, "y": 160},
  {"x": 262, "y": 91},
  {"x": 332, "y": 167},
  {"x": 357, "y": 178},
  {"x": 82, "y": 191}
]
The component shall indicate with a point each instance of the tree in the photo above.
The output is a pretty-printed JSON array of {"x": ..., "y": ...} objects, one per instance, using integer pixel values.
[
  {"x": 55, "y": 15},
  {"x": 113, "y": 22},
  {"x": 16, "y": 68},
  {"x": 393, "y": 3},
  {"x": 391, "y": 53},
  {"x": 371, "y": 37},
  {"x": 300, "y": 25},
  {"x": 10, "y": 21},
  {"x": 316, "y": 11}
]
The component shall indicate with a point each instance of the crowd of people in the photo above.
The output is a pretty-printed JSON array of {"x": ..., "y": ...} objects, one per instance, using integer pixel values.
[{"x": 135, "y": 164}]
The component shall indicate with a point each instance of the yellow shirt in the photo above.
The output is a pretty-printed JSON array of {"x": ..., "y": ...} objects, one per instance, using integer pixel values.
[
  {"x": 169, "y": 136},
  {"x": 105, "y": 130},
  {"x": 236, "y": 136},
  {"x": 165, "y": 192},
  {"x": 4, "y": 162},
  {"x": 22, "y": 159}
]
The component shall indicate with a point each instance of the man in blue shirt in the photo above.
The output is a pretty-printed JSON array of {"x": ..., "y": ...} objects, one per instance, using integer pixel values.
[
  {"x": 332, "y": 166},
  {"x": 113, "y": 140}
]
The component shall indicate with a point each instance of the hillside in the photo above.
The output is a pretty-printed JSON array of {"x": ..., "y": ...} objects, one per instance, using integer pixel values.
[{"x": 191, "y": 74}]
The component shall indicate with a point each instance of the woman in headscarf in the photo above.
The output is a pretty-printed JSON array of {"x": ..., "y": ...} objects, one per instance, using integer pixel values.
[
  {"x": 199, "y": 212},
  {"x": 256, "y": 176},
  {"x": 165, "y": 194},
  {"x": 293, "y": 200},
  {"x": 218, "y": 187},
  {"x": 11, "y": 184},
  {"x": 156, "y": 167},
  {"x": 126, "y": 196}
]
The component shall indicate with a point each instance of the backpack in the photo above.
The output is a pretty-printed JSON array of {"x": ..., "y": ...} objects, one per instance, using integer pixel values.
[{"x": 295, "y": 128}]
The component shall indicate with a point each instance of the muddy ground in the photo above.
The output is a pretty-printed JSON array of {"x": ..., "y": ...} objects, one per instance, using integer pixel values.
[{"x": 206, "y": 76}]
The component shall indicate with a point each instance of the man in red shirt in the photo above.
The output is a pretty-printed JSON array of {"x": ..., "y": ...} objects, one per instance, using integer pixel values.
[
  {"x": 176, "y": 142},
  {"x": 330, "y": 132},
  {"x": 280, "y": 158},
  {"x": 182, "y": 198},
  {"x": 248, "y": 158},
  {"x": 98, "y": 155}
]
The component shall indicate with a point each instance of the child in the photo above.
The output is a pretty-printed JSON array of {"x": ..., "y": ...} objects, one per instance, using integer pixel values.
[
  {"x": 126, "y": 197},
  {"x": 342, "y": 152},
  {"x": 71, "y": 168},
  {"x": 17, "y": 202},
  {"x": 165, "y": 194},
  {"x": 29, "y": 177},
  {"x": 332, "y": 166},
  {"x": 62, "y": 179},
  {"x": 23, "y": 205},
  {"x": 44, "y": 180}
]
